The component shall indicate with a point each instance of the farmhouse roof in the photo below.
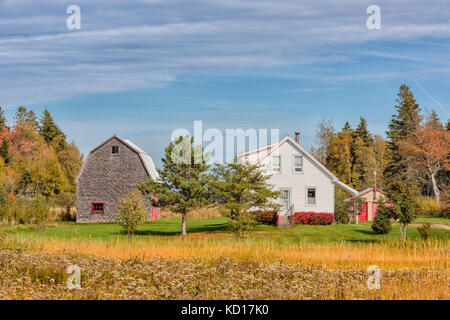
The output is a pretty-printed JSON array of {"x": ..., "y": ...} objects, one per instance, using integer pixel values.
[{"x": 267, "y": 150}]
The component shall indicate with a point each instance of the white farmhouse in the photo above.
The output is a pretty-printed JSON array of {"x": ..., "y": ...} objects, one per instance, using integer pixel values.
[{"x": 306, "y": 185}]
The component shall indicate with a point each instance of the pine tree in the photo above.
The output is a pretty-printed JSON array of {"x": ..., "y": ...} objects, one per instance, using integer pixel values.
[
  {"x": 184, "y": 181},
  {"x": 401, "y": 126},
  {"x": 48, "y": 128},
  {"x": 4, "y": 151},
  {"x": 347, "y": 126},
  {"x": 4, "y": 148},
  {"x": 2, "y": 119},
  {"x": 382, "y": 222},
  {"x": 241, "y": 186},
  {"x": 362, "y": 132}
]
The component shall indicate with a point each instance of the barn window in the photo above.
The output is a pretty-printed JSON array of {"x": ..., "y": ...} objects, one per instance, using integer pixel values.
[
  {"x": 298, "y": 164},
  {"x": 98, "y": 207},
  {"x": 115, "y": 149},
  {"x": 311, "y": 195},
  {"x": 276, "y": 164}
]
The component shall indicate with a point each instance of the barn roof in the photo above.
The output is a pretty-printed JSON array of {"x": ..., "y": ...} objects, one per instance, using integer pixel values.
[{"x": 146, "y": 160}]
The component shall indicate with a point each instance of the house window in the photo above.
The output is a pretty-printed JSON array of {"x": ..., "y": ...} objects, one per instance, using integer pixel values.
[
  {"x": 311, "y": 195},
  {"x": 276, "y": 164},
  {"x": 98, "y": 207},
  {"x": 115, "y": 150},
  {"x": 298, "y": 164}
]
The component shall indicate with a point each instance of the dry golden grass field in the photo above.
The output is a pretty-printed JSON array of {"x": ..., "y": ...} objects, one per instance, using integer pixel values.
[{"x": 305, "y": 262}]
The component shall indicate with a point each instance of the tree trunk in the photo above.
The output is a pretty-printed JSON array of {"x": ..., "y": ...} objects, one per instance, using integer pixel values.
[
  {"x": 403, "y": 231},
  {"x": 435, "y": 187},
  {"x": 183, "y": 224}
]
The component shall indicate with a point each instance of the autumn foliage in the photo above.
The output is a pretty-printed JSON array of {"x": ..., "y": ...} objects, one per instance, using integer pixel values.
[
  {"x": 428, "y": 150},
  {"x": 35, "y": 160}
]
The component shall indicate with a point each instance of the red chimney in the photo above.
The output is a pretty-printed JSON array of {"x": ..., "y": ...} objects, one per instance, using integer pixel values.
[{"x": 297, "y": 134}]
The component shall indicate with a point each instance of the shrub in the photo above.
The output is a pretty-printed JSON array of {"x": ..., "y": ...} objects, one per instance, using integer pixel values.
[
  {"x": 424, "y": 230},
  {"x": 66, "y": 200},
  {"x": 428, "y": 207},
  {"x": 341, "y": 207},
  {"x": 241, "y": 224},
  {"x": 25, "y": 211},
  {"x": 264, "y": 217},
  {"x": 444, "y": 212},
  {"x": 313, "y": 218},
  {"x": 40, "y": 210},
  {"x": 131, "y": 212},
  {"x": 382, "y": 222}
]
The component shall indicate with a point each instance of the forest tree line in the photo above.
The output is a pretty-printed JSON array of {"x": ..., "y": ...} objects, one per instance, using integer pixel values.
[
  {"x": 416, "y": 151},
  {"x": 37, "y": 163}
]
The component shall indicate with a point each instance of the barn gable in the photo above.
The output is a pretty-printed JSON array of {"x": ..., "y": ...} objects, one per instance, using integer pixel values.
[{"x": 109, "y": 172}]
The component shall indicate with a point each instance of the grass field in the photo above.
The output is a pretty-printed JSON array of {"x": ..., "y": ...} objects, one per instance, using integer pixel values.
[
  {"x": 432, "y": 220},
  {"x": 304, "y": 262},
  {"x": 217, "y": 228}
]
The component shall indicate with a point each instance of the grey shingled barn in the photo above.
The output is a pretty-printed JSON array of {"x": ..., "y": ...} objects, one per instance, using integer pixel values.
[{"x": 109, "y": 172}]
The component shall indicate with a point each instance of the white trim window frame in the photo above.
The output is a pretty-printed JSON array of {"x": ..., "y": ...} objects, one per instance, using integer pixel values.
[
  {"x": 296, "y": 156},
  {"x": 307, "y": 198},
  {"x": 276, "y": 168}
]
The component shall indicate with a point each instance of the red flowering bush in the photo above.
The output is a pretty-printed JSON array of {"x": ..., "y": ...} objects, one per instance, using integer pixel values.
[
  {"x": 313, "y": 218},
  {"x": 265, "y": 217}
]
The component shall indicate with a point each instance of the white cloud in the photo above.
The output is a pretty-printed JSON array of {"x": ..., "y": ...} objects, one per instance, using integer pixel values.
[{"x": 146, "y": 44}]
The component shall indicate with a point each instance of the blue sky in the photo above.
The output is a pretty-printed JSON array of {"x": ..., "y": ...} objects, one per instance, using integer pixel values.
[{"x": 141, "y": 69}]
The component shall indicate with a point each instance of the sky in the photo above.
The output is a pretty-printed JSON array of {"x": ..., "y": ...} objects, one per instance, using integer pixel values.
[{"x": 141, "y": 69}]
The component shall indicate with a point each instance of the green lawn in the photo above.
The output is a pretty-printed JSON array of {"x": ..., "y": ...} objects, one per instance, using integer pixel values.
[
  {"x": 432, "y": 220},
  {"x": 217, "y": 227}
]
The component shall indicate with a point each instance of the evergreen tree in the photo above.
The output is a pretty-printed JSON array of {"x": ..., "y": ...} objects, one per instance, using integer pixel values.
[
  {"x": 347, "y": 126},
  {"x": 401, "y": 126},
  {"x": 48, "y": 128},
  {"x": 382, "y": 222},
  {"x": 241, "y": 186},
  {"x": 2, "y": 119},
  {"x": 362, "y": 132},
  {"x": 4, "y": 148},
  {"x": 4, "y": 151},
  {"x": 184, "y": 182}
]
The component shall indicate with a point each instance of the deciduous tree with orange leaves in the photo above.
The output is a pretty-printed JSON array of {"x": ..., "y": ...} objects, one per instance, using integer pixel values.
[{"x": 428, "y": 149}]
